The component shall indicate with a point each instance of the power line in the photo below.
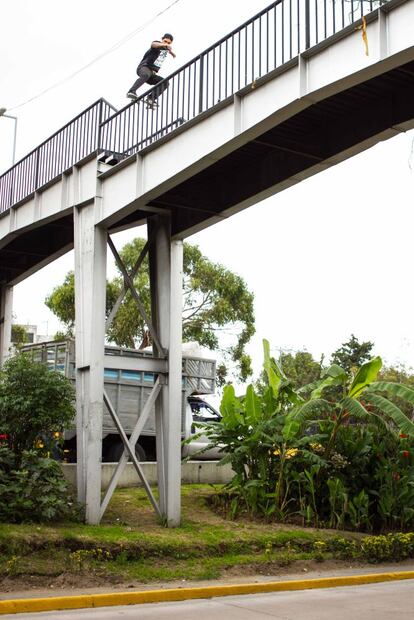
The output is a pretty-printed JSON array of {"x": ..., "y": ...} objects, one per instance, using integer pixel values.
[{"x": 114, "y": 47}]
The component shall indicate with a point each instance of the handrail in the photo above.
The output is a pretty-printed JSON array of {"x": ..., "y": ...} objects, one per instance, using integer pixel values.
[
  {"x": 263, "y": 43},
  {"x": 64, "y": 148}
]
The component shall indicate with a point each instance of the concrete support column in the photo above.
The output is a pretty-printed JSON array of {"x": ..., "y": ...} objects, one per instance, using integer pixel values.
[
  {"x": 175, "y": 359},
  {"x": 6, "y": 314},
  {"x": 90, "y": 293},
  {"x": 165, "y": 259}
]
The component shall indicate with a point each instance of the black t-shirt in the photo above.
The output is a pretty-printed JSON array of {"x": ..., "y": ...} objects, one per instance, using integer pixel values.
[{"x": 154, "y": 57}]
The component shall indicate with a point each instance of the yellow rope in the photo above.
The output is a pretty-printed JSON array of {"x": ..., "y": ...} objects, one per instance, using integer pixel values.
[{"x": 363, "y": 27}]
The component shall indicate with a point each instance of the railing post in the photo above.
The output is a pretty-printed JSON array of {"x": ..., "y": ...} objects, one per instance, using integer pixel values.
[
  {"x": 11, "y": 203},
  {"x": 36, "y": 177},
  {"x": 98, "y": 138},
  {"x": 307, "y": 24},
  {"x": 200, "y": 93}
]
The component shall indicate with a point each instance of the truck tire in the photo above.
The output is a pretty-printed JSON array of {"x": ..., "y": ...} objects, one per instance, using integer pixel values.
[{"x": 116, "y": 450}]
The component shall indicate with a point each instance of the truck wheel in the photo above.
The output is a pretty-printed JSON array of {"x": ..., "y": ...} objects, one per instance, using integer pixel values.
[{"x": 116, "y": 450}]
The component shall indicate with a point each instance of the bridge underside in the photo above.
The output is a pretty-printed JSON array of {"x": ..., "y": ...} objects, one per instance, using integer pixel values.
[
  {"x": 310, "y": 137},
  {"x": 30, "y": 250},
  {"x": 319, "y": 132}
]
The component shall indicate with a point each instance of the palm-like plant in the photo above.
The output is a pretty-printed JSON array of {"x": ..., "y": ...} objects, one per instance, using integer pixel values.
[
  {"x": 362, "y": 398},
  {"x": 283, "y": 443}
]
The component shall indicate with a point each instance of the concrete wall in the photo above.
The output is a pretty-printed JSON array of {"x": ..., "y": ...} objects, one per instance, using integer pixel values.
[{"x": 192, "y": 472}]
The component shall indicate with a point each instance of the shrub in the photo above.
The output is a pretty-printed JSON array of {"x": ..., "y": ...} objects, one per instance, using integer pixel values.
[
  {"x": 393, "y": 547},
  {"x": 336, "y": 453},
  {"x": 32, "y": 488},
  {"x": 35, "y": 403},
  {"x": 343, "y": 548}
]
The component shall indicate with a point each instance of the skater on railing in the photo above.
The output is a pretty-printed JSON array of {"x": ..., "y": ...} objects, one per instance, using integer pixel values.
[{"x": 148, "y": 68}]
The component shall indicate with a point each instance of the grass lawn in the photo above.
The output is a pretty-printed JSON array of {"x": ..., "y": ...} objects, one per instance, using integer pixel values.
[{"x": 131, "y": 544}]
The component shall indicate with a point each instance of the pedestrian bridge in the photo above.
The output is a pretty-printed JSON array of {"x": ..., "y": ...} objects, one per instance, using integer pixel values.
[
  {"x": 288, "y": 94},
  {"x": 300, "y": 87}
]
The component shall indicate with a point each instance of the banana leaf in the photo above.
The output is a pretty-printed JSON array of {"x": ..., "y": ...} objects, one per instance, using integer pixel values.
[
  {"x": 387, "y": 408},
  {"x": 366, "y": 374},
  {"x": 393, "y": 389}
]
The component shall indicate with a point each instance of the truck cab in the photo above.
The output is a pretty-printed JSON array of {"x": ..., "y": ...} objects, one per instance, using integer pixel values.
[{"x": 202, "y": 412}]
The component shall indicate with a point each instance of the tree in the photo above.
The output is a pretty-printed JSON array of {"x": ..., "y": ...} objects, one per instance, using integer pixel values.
[
  {"x": 61, "y": 302},
  {"x": 34, "y": 402},
  {"x": 352, "y": 354},
  {"x": 301, "y": 369},
  {"x": 217, "y": 307},
  {"x": 19, "y": 335},
  {"x": 399, "y": 374}
]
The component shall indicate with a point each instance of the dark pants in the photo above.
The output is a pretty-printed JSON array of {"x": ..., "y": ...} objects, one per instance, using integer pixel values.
[{"x": 148, "y": 76}]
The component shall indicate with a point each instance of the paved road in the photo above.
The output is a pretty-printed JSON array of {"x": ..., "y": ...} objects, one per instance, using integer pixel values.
[{"x": 385, "y": 601}]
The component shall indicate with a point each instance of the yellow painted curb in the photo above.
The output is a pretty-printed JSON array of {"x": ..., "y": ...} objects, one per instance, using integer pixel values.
[{"x": 14, "y": 606}]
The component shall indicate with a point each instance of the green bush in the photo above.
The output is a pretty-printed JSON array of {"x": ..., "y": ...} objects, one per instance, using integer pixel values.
[
  {"x": 33, "y": 489},
  {"x": 341, "y": 459},
  {"x": 35, "y": 403},
  {"x": 393, "y": 547},
  {"x": 343, "y": 548}
]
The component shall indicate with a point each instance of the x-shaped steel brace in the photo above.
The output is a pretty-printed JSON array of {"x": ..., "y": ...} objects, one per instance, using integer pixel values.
[
  {"x": 129, "y": 283},
  {"x": 129, "y": 448}
]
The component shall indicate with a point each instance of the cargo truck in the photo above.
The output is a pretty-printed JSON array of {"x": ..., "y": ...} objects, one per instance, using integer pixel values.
[{"x": 128, "y": 387}]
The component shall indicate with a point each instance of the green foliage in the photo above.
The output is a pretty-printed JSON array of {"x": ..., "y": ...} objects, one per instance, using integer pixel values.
[
  {"x": 19, "y": 335},
  {"x": 401, "y": 376},
  {"x": 301, "y": 368},
  {"x": 365, "y": 375},
  {"x": 393, "y": 547},
  {"x": 35, "y": 403},
  {"x": 61, "y": 302},
  {"x": 217, "y": 311},
  {"x": 352, "y": 354},
  {"x": 32, "y": 489},
  {"x": 298, "y": 454},
  {"x": 343, "y": 548}
]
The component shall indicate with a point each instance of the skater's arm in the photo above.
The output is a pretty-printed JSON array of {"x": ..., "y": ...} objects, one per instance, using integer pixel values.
[{"x": 164, "y": 46}]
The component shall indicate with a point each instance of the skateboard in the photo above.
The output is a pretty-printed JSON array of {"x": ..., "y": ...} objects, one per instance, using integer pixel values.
[{"x": 151, "y": 104}]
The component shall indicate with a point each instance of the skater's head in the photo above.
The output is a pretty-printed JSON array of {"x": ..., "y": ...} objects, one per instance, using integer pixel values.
[{"x": 167, "y": 38}]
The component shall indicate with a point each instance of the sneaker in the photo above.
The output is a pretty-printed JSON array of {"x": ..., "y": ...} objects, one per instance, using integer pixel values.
[{"x": 132, "y": 96}]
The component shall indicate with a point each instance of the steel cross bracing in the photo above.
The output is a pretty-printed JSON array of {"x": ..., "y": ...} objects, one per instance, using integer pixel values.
[
  {"x": 129, "y": 444},
  {"x": 165, "y": 257},
  {"x": 129, "y": 450},
  {"x": 128, "y": 282}
]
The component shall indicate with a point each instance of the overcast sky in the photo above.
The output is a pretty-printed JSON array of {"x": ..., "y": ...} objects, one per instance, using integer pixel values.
[{"x": 329, "y": 257}]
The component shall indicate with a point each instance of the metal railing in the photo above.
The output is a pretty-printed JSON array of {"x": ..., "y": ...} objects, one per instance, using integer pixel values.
[
  {"x": 264, "y": 43},
  {"x": 76, "y": 140}
]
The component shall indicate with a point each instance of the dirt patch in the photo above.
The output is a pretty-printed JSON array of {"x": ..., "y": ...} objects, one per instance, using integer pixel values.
[
  {"x": 92, "y": 580},
  {"x": 69, "y": 584}
]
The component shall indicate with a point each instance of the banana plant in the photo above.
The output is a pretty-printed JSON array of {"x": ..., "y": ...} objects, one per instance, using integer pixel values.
[{"x": 362, "y": 398}]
